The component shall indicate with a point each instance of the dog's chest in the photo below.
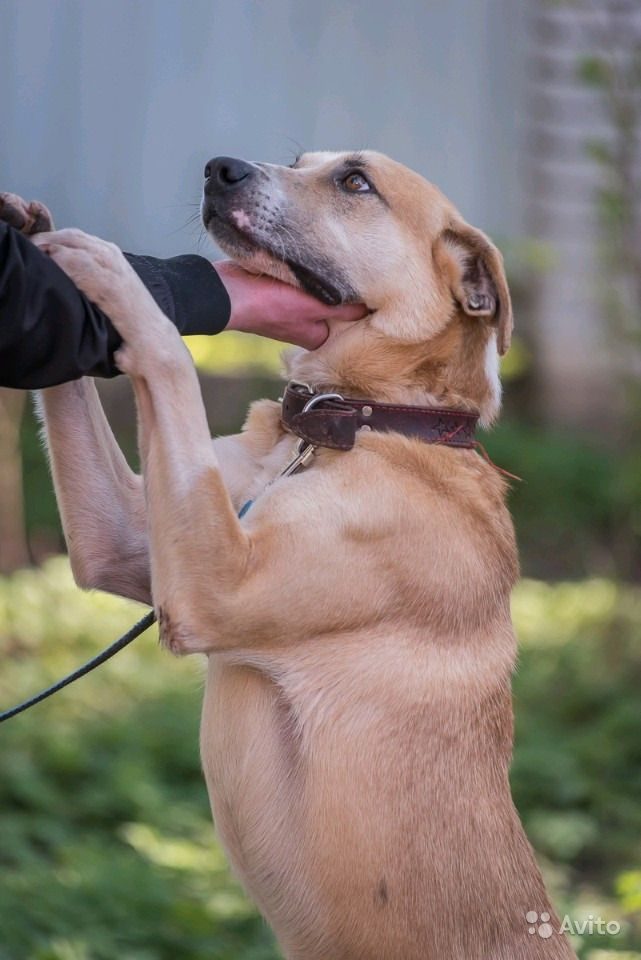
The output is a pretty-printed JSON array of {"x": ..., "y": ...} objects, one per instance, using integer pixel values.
[{"x": 270, "y": 466}]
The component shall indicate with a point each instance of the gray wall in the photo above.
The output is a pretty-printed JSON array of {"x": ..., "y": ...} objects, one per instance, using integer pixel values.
[
  {"x": 580, "y": 358},
  {"x": 109, "y": 109}
]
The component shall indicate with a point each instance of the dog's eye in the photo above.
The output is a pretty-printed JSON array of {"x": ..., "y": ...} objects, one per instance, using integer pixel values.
[{"x": 356, "y": 183}]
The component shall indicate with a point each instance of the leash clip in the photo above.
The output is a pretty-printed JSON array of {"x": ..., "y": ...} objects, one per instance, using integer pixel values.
[{"x": 304, "y": 453}]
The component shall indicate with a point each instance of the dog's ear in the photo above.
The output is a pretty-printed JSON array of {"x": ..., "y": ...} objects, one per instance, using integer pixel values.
[{"x": 475, "y": 271}]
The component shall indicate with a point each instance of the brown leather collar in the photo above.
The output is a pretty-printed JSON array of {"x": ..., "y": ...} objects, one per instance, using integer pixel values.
[{"x": 334, "y": 422}]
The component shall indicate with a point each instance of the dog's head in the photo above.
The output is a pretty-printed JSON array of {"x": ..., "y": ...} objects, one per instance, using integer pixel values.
[{"x": 361, "y": 227}]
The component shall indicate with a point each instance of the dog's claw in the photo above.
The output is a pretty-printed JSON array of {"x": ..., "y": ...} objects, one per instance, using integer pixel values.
[
  {"x": 42, "y": 219},
  {"x": 13, "y": 210},
  {"x": 28, "y": 218}
]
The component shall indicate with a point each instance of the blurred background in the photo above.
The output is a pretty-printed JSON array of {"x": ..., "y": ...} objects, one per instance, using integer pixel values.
[{"x": 528, "y": 115}]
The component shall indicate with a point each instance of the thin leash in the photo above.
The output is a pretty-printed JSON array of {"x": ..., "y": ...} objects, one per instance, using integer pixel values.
[
  {"x": 120, "y": 644},
  {"x": 303, "y": 455}
]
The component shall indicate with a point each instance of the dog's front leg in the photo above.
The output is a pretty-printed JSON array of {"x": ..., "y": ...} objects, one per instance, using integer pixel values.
[
  {"x": 195, "y": 540},
  {"x": 101, "y": 500},
  {"x": 197, "y": 545}
]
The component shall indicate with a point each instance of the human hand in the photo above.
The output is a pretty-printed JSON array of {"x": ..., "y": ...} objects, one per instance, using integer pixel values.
[{"x": 271, "y": 308}]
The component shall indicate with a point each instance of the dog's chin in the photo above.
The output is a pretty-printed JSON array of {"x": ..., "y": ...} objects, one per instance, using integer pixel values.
[
  {"x": 261, "y": 263},
  {"x": 255, "y": 256}
]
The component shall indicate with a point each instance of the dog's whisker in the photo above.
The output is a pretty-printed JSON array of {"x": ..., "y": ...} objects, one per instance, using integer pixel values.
[
  {"x": 297, "y": 149},
  {"x": 202, "y": 234},
  {"x": 191, "y": 220}
]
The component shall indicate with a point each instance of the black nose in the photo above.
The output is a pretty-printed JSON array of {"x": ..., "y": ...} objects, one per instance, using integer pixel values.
[{"x": 227, "y": 172}]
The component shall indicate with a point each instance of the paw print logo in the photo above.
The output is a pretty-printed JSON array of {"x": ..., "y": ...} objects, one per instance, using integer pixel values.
[{"x": 544, "y": 928}]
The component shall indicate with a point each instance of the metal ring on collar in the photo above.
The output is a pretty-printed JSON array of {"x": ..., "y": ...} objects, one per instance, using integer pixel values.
[
  {"x": 318, "y": 398},
  {"x": 302, "y": 445}
]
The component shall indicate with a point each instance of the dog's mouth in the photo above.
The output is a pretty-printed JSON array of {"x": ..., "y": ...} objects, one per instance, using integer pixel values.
[
  {"x": 315, "y": 284},
  {"x": 257, "y": 252}
]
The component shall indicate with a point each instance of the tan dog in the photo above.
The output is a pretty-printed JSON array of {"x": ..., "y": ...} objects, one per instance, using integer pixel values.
[{"x": 357, "y": 723}]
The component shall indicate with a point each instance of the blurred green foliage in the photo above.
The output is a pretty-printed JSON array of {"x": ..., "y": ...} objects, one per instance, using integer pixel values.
[
  {"x": 577, "y": 509},
  {"x": 108, "y": 851}
]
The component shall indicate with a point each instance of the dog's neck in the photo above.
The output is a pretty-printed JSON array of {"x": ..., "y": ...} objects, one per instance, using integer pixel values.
[{"x": 456, "y": 369}]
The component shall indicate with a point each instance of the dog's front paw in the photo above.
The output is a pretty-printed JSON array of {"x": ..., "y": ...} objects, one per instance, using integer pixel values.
[
  {"x": 97, "y": 267},
  {"x": 29, "y": 218},
  {"x": 101, "y": 271}
]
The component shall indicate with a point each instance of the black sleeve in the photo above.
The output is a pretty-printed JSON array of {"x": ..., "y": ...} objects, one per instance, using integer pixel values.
[{"x": 51, "y": 333}]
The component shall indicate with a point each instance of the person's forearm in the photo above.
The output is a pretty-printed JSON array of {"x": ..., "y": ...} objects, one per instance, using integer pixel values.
[
  {"x": 187, "y": 289},
  {"x": 51, "y": 333}
]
